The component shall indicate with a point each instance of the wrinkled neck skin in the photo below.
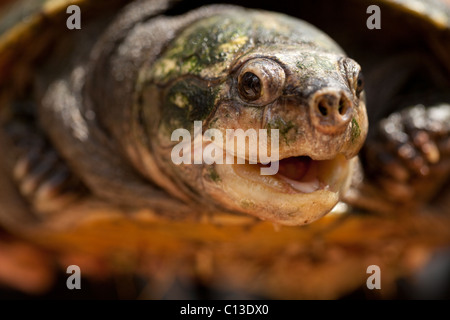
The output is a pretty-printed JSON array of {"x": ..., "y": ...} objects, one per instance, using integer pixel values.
[
  {"x": 132, "y": 43},
  {"x": 312, "y": 101}
]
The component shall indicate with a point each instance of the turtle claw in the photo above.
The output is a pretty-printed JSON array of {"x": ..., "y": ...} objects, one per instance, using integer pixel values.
[
  {"x": 57, "y": 190},
  {"x": 34, "y": 171},
  {"x": 409, "y": 159},
  {"x": 45, "y": 181},
  {"x": 427, "y": 146},
  {"x": 42, "y": 177}
]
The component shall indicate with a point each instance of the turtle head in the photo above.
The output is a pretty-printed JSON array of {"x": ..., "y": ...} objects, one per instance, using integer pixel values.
[{"x": 257, "y": 112}]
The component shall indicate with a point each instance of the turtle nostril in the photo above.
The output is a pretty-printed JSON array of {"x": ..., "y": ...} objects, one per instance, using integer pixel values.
[
  {"x": 331, "y": 110},
  {"x": 343, "y": 106},
  {"x": 326, "y": 105},
  {"x": 323, "y": 109}
]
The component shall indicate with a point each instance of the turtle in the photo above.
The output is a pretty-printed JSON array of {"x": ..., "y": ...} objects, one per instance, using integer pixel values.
[{"x": 130, "y": 117}]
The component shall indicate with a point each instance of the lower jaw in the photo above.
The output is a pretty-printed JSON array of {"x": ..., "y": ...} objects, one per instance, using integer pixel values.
[{"x": 279, "y": 199}]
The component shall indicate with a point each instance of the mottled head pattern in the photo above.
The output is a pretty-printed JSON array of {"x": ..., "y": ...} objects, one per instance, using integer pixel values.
[{"x": 248, "y": 69}]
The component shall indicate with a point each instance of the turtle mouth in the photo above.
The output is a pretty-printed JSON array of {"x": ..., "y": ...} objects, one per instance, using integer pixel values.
[
  {"x": 303, "y": 190},
  {"x": 299, "y": 175}
]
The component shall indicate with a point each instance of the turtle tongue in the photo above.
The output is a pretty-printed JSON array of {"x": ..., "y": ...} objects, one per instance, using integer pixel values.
[
  {"x": 294, "y": 174},
  {"x": 294, "y": 168},
  {"x": 300, "y": 173}
]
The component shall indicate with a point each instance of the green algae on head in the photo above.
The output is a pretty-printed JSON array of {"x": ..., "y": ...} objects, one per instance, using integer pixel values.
[{"x": 209, "y": 46}]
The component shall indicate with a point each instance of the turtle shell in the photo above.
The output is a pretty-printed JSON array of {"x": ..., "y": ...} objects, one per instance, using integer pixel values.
[{"x": 28, "y": 29}]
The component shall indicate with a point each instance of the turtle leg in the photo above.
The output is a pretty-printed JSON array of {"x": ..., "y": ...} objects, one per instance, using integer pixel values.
[
  {"x": 407, "y": 162},
  {"x": 41, "y": 175}
]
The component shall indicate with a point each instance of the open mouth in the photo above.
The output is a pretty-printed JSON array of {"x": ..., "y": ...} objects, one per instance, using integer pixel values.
[
  {"x": 302, "y": 190},
  {"x": 299, "y": 174}
]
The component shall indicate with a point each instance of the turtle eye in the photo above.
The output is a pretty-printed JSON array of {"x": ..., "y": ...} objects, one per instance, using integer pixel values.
[
  {"x": 359, "y": 84},
  {"x": 260, "y": 81},
  {"x": 352, "y": 72},
  {"x": 250, "y": 86}
]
